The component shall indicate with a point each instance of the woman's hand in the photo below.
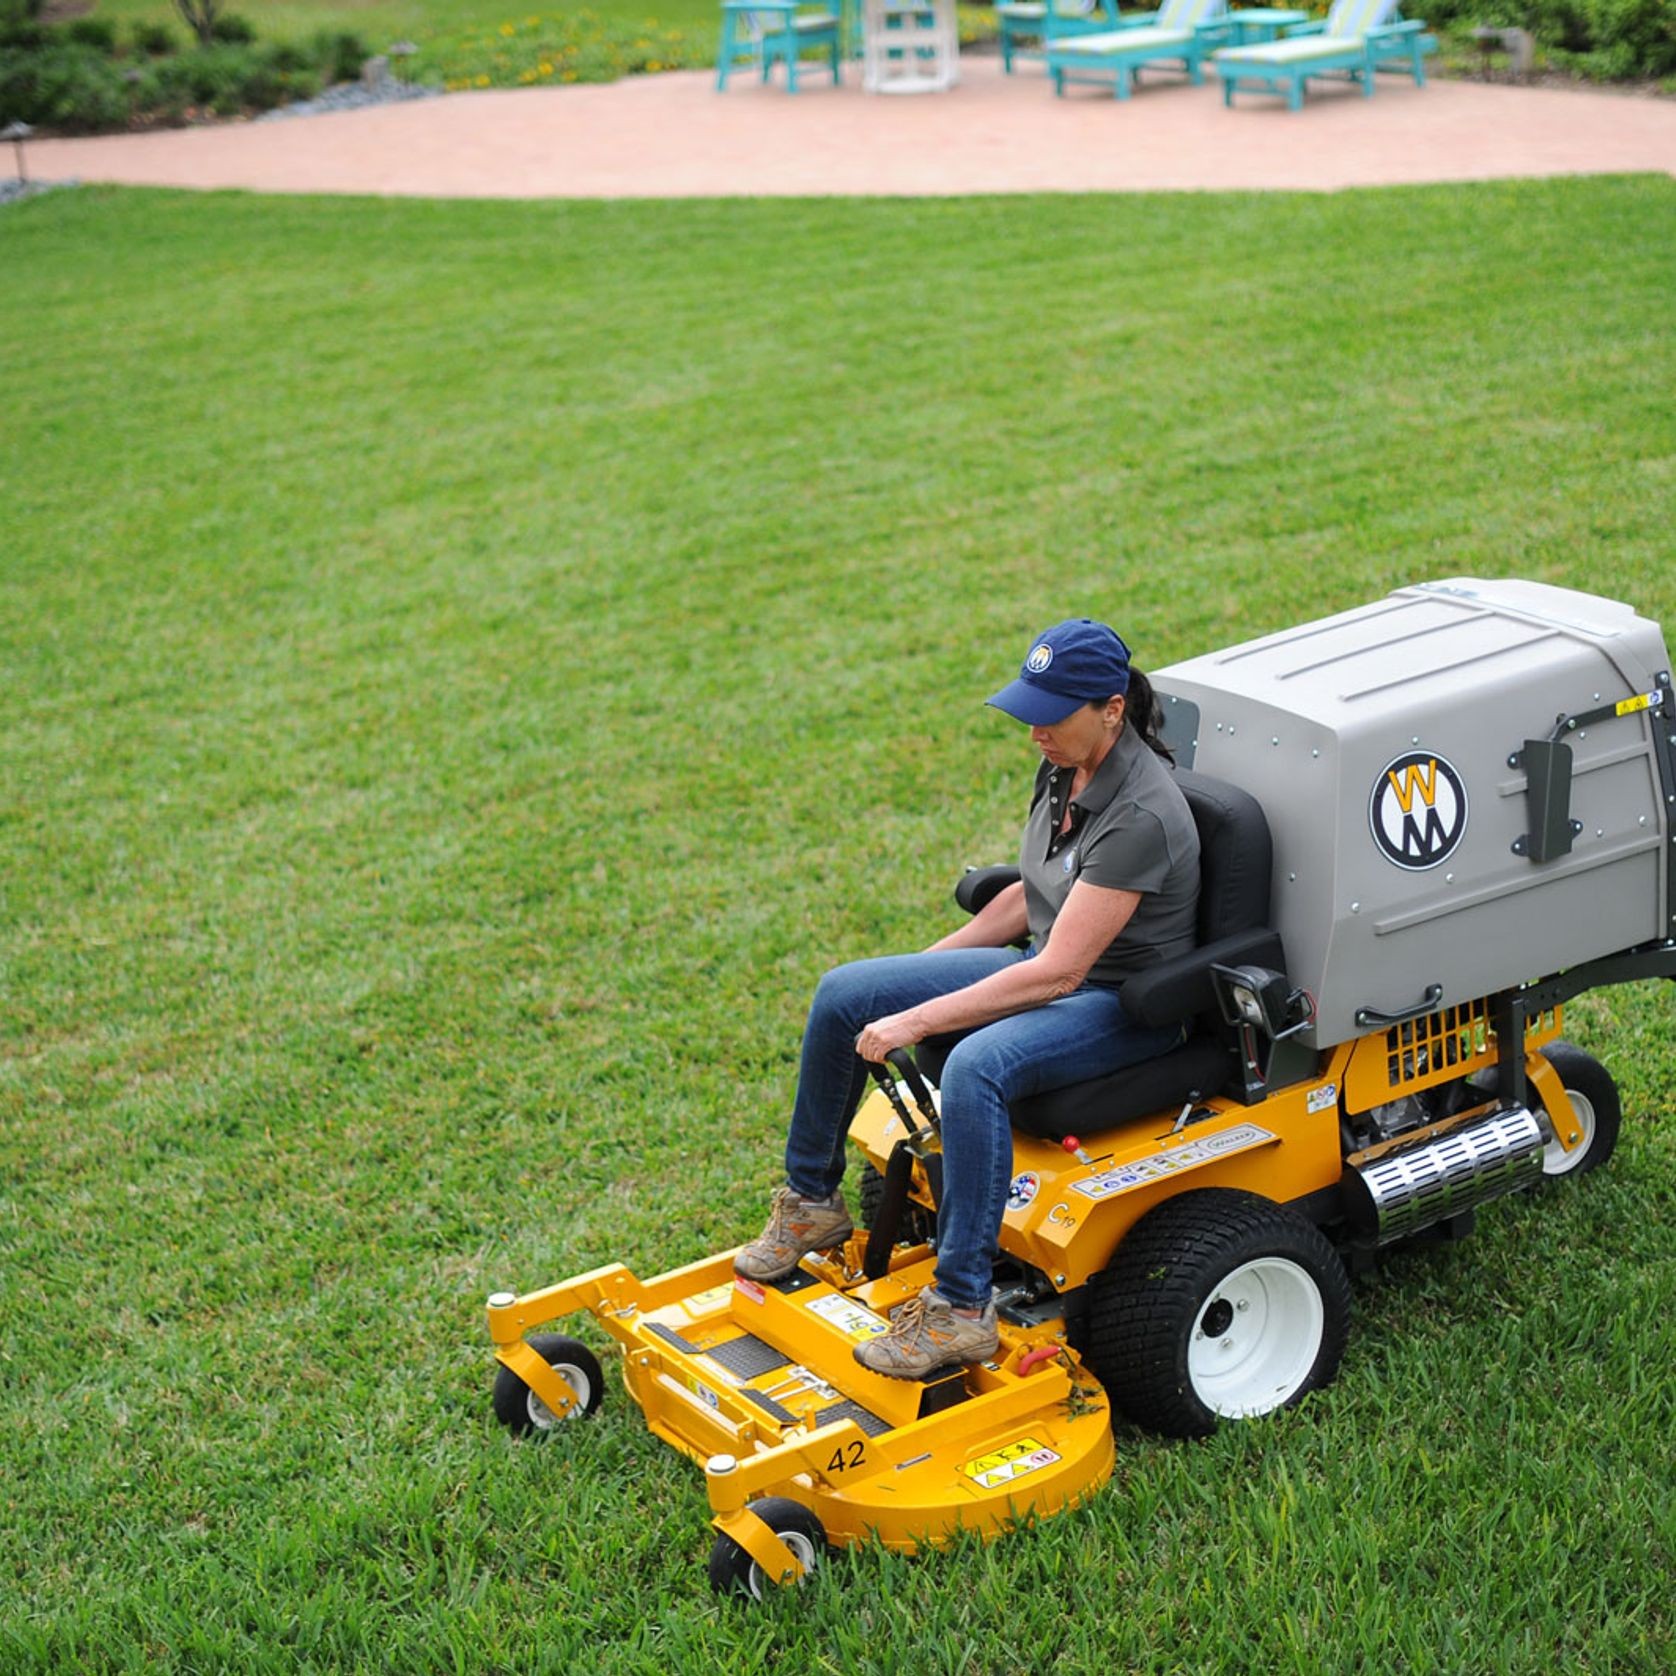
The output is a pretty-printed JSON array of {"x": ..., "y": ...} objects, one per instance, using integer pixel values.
[{"x": 894, "y": 1031}]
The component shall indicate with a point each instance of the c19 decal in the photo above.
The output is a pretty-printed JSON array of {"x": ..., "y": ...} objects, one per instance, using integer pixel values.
[{"x": 1418, "y": 810}]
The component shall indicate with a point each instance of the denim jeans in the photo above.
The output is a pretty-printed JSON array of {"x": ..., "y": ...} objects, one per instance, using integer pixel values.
[{"x": 1086, "y": 1034}]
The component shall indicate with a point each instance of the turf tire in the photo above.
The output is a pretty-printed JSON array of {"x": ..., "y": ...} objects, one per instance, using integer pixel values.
[
  {"x": 519, "y": 1409},
  {"x": 1594, "y": 1104},
  {"x": 919, "y": 1226},
  {"x": 1161, "y": 1288}
]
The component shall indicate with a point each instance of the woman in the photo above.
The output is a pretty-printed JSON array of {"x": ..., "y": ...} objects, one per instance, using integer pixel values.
[{"x": 1110, "y": 865}]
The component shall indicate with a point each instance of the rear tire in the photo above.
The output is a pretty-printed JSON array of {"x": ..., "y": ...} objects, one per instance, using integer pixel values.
[
  {"x": 919, "y": 1226},
  {"x": 1219, "y": 1305},
  {"x": 1596, "y": 1112},
  {"x": 733, "y": 1571}
]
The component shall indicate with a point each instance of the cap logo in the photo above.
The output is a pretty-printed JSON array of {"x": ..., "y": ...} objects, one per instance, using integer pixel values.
[{"x": 1040, "y": 657}]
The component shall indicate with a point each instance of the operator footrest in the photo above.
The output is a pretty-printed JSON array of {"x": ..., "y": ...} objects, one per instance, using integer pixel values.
[{"x": 869, "y": 1422}]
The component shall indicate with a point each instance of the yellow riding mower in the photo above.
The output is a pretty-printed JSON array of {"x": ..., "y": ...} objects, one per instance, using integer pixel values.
[{"x": 1410, "y": 862}]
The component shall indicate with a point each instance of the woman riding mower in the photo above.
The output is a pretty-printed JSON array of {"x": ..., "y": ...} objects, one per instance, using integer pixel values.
[{"x": 1110, "y": 883}]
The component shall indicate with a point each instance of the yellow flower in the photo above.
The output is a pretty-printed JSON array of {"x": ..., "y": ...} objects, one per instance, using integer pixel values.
[
  {"x": 507, "y": 29},
  {"x": 546, "y": 68},
  {"x": 482, "y": 81}
]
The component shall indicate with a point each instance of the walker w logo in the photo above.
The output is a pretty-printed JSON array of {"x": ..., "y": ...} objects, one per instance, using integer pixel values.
[{"x": 1418, "y": 810}]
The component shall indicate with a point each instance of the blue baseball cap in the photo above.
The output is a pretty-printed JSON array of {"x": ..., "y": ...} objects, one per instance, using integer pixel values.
[{"x": 1071, "y": 664}]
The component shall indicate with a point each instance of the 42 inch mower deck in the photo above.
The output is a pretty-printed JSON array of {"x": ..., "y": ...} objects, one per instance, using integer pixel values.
[{"x": 758, "y": 1384}]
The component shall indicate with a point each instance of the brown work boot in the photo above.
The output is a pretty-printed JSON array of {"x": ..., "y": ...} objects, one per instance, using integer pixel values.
[
  {"x": 796, "y": 1227},
  {"x": 925, "y": 1334}
]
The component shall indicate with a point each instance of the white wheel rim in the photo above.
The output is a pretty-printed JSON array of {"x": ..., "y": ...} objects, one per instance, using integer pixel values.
[
  {"x": 757, "y": 1581},
  {"x": 1256, "y": 1338},
  {"x": 1556, "y": 1161},
  {"x": 541, "y": 1416}
]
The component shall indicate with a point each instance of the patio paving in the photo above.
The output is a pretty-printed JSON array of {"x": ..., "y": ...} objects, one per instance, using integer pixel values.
[{"x": 675, "y": 136}]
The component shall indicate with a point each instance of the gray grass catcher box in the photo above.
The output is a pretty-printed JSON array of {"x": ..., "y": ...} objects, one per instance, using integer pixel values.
[{"x": 1465, "y": 783}]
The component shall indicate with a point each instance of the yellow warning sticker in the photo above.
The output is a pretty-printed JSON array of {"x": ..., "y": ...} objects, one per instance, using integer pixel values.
[
  {"x": 1641, "y": 701},
  {"x": 1012, "y": 1460}
]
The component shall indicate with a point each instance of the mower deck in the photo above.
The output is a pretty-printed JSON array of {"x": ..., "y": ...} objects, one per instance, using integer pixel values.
[{"x": 759, "y": 1384}]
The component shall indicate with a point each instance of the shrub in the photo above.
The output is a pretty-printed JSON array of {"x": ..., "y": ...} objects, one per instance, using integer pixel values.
[
  {"x": 1609, "y": 40},
  {"x": 92, "y": 32},
  {"x": 71, "y": 87},
  {"x": 337, "y": 53},
  {"x": 232, "y": 30},
  {"x": 152, "y": 40},
  {"x": 21, "y": 34}
]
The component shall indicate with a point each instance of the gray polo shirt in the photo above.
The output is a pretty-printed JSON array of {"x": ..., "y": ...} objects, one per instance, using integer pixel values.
[{"x": 1131, "y": 829}]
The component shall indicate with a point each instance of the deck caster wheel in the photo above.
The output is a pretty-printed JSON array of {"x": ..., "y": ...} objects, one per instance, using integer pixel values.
[
  {"x": 733, "y": 1571},
  {"x": 1595, "y": 1110},
  {"x": 521, "y": 1411},
  {"x": 1219, "y": 1305}
]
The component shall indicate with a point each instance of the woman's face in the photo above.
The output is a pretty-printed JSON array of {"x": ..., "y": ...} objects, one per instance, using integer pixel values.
[{"x": 1083, "y": 735}]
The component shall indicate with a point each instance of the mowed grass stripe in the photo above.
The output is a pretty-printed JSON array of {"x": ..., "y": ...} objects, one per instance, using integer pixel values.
[{"x": 469, "y": 667}]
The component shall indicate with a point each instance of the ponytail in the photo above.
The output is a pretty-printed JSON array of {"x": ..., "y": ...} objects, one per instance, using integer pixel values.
[{"x": 1141, "y": 713}]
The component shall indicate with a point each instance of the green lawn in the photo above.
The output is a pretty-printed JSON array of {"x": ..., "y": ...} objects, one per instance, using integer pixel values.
[{"x": 469, "y": 667}]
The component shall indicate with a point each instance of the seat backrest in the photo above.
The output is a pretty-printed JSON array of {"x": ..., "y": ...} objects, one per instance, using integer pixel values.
[
  {"x": 1236, "y": 856},
  {"x": 1354, "y": 18},
  {"x": 1187, "y": 14}
]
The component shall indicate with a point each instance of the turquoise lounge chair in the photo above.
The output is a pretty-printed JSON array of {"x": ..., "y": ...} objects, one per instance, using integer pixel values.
[
  {"x": 1027, "y": 21},
  {"x": 1183, "y": 31},
  {"x": 758, "y": 34},
  {"x": 1354, "y": 39}
]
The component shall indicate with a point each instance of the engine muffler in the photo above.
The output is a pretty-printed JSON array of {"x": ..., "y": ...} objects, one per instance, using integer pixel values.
[{"x": 1419, "y": 1180}]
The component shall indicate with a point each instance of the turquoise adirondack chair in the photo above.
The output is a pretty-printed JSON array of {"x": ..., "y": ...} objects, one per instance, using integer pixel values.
[
  {"x": 758, "y": 34},
  {"x": 1180, "y": 31},
  {"x": 1353, "y": 40},
  {"x": 1034, "y": 22}
]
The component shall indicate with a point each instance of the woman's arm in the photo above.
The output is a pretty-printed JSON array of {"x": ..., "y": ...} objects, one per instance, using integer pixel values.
[
  {"x": 1091, "y": 918},
  {"x": 1000, "y": 921}
]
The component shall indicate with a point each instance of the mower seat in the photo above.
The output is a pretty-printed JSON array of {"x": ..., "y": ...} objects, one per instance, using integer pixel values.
[{"x": 1235, "y": 861}]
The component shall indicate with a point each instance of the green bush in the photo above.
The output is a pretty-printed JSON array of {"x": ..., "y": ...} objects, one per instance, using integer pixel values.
[
  {"x": 92, "y": 32},
  {"x": 337, "y": 53},
  {"x": 233, "y": 30},
  {"x": 152, "y": 39},
  {"x": 1608, "y": 40},
  {"x": 67, "y": 86}
]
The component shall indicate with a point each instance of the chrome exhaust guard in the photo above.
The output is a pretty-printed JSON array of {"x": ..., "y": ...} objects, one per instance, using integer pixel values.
[{"x": 1412, "y": 1187}]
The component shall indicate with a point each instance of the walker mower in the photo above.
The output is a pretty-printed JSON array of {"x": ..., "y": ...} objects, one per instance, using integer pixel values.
[{"x": 1426, "y": 824}]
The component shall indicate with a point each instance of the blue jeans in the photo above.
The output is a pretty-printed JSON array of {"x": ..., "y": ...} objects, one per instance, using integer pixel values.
[{"x": 1083, "y": 1035}]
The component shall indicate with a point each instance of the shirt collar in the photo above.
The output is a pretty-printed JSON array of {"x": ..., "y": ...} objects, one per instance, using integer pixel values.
[{"x": 1109, "y": 777}]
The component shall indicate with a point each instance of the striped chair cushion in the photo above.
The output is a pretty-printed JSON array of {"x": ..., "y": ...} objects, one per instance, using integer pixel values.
[
  {"x": 1301, "y": 49},
  {"x": 1354, "y": 18},
  {"x": 1189, "y": 14},
  {"x": 1145, "y": 39}
]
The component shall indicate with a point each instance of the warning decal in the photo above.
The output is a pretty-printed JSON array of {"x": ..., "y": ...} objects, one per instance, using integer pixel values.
[
  {"x": 1012, "y": 1460},
  {"x": 1168, "y": 1163},
  {"x": 853, "y": 1320}
]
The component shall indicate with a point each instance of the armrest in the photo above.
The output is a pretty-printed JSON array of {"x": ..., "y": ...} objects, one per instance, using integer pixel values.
[
  {"x": 1315, "y": 26},
  {"x": 1136, "y": 20},
  {"x": 980, "y": 885},
  {"x": 1404, "y": 27},
  {"x": 1176, "y": 989}
]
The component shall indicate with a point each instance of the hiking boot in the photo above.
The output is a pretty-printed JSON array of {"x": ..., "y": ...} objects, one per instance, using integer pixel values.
[
  {"x": 796, "y": 1227},
  {"x": 926, "y": 1334}
]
